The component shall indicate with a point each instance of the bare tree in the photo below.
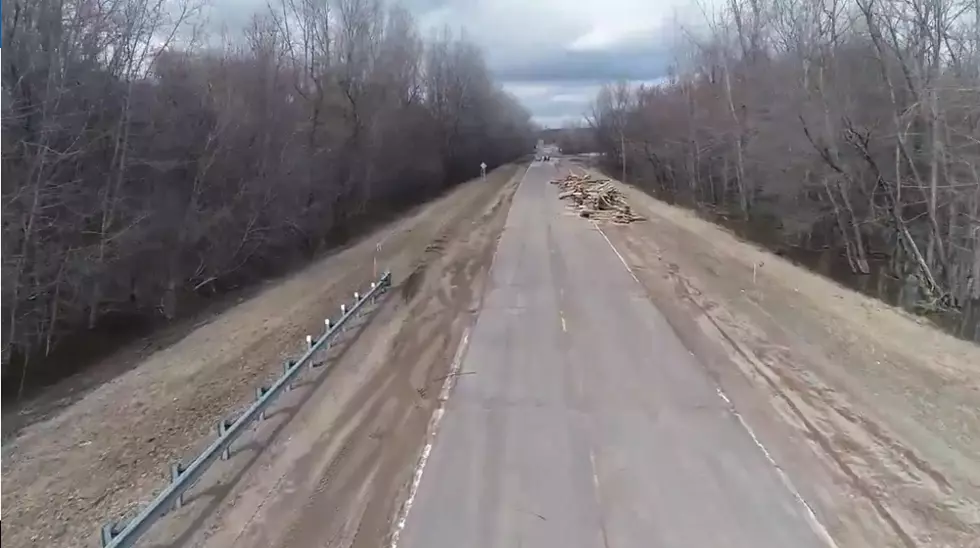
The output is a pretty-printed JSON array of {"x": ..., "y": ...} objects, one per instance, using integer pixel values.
[
  {"x": 144, "y": 173},
  {"x": 844, "y": 128}
]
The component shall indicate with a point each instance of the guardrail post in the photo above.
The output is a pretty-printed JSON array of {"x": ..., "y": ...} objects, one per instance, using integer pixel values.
[
  {"x": 125, "y": 534},
  {"x": 285, "y": 369},
  {"x": 109, "y": 532},
  {"x": 326, "y": 344},
  {"x": 223, "y": 426},
  {"x": 259, "y": 392},
  {"x": 176, "y": 469}
]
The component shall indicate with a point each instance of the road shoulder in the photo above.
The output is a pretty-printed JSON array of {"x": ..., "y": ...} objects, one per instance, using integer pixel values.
[
  {"x": 108, "y": 453},
  {"x": 851, "y": 397}
]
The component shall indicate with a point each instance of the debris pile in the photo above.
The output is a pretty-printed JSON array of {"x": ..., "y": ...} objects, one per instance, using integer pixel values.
[{"x": 596, "y": 199}]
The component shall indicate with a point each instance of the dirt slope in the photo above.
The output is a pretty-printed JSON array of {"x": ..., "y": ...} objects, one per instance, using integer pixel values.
[
  {"x": 351, "y": 453},
  {"x": 107, "y": 453},
  {"x": 874, "y": 413}
]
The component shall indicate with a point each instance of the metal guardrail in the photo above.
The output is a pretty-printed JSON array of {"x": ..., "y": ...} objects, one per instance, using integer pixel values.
[{"x": 116, "y": 535}]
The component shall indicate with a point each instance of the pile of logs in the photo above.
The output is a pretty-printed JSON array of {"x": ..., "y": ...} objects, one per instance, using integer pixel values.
[{"x": 596, "y": 199}]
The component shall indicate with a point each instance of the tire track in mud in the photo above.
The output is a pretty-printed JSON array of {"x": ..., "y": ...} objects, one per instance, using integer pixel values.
[
  {"x": 391, "y": 409},
  {"x": 777, "y": 358},
  {"x": 874, "y": 467},
  {"x": 459, "y": 298},
  {"x": 830, "y": 423},
  {"x": 685, "y": 290}
]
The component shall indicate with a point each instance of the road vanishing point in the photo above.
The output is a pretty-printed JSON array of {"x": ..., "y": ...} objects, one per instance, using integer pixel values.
[{"x": 579, "y": 418}]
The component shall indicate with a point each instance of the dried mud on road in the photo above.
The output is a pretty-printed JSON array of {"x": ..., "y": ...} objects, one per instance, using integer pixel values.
[
  {"x": 350, "y": 458},
  {"x": 874, "y": 414},
  {"x": 108, "y": 453}
]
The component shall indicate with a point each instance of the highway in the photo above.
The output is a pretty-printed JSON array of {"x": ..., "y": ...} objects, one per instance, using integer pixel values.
[{"x": 579, "y": 419}]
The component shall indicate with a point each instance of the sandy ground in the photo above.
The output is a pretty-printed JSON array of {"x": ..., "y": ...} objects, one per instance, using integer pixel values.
[
  {"x": 872, "y": 412},
  {"x": 109, "y": 452}
]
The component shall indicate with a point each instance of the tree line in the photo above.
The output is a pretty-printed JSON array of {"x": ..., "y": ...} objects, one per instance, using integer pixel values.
[
  {"x": 147, "y": 162},
  {"x": 848, "y": 128},
  {"x": 572, "y": 138}
]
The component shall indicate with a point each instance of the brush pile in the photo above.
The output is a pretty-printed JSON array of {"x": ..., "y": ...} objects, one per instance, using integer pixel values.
[{"x": 595, "y": 199}]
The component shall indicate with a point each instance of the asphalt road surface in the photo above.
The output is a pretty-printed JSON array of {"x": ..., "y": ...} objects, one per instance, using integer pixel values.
[{"x": 581, "y": 420}]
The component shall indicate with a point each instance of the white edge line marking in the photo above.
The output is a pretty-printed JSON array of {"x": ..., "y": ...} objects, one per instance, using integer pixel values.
[
  {"x": 815, "y": 523},
  {"x": 595, "y": 471},
  {"x": 616, "y": 251},
  {"x": 433, "y": 427},
  {"x": 430, "y": 435}
]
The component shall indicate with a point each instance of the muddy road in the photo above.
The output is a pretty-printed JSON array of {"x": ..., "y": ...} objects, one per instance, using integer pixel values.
[
  {"x": 109, "y": 452},
  {"x": 660, "y": 382},
  {"x": 579, "y": 418},
  {"x": 872, "y": 412}
]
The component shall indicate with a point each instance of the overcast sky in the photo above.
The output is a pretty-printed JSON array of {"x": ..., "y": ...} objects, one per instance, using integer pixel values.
[{"x": 552, "y": 54}]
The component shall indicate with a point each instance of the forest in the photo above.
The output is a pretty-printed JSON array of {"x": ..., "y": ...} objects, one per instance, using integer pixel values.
[
  {"x": 151, "y": 161},
  {"x": 842, "y": 133}
]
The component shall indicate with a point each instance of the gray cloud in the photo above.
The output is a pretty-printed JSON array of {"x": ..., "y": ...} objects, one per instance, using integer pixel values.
[
  {"x": 233, "y": 15},
  {"x": 560, "y": 87},
  {"x": 551, "y": 53},
  {"x": 554, "y": 54},
  {"x": 588, "y": 66}
]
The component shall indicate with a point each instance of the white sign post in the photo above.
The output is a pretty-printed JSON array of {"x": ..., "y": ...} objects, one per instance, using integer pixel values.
[{"x": 483, "y": 170}]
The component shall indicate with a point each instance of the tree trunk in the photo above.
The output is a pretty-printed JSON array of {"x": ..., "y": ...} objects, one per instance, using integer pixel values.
[{"x": 739, "y": 159}]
